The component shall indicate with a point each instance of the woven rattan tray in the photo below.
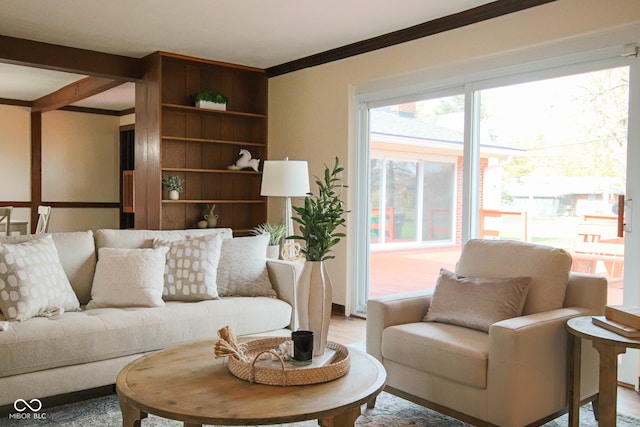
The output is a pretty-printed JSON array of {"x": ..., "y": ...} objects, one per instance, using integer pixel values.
[{"x": 287, "y": 373}]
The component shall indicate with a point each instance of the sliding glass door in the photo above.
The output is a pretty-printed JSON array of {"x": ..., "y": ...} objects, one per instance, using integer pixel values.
[
  {"x": 564, "y": 188},
  {"x": 538, "y": 158}
]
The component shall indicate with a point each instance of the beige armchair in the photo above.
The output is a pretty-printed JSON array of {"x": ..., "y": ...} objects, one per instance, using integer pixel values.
[{"x": 515, "y": 374}]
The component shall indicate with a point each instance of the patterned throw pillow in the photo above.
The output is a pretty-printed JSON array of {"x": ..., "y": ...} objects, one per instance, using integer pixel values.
[
  {"x": 32, "y": 281},
  {"x": 192, "y": 267},
  {"x": 128, "y": 278},
  {"x": 242, "y": 270}
]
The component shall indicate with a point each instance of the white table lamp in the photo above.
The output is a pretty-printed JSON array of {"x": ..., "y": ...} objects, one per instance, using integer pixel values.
[{"x": 285, "y": 178}]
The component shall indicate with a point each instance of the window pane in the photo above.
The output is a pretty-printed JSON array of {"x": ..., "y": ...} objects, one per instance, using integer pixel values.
[
  {"x": 415, "y": 152},
  {"x": 558, "y": 166},
  {"x": 438, "y": 215},
  {"x": 374, "y": 200},
  {"x": 400, "y": 206}
]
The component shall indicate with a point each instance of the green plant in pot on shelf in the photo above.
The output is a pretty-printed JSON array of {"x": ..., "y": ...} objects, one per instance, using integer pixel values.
[
  {"x": 276, "y": 234},
  {"x": 211, "y": 99},
  {"x": 319, "y": 219},
  {"x": 173, "y": 183}
]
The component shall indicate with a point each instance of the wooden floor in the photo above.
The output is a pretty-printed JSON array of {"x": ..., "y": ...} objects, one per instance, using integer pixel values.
[{"x": 351, "y": 330}]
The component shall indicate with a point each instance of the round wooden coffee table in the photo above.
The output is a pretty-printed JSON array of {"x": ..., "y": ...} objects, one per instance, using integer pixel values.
[{"x": 186, "y": 383}]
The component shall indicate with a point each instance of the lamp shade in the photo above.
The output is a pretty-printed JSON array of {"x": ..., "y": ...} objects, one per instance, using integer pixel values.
[{"x": 285, "y": 178}]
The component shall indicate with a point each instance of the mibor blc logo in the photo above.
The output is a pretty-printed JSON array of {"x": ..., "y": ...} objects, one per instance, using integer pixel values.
[{"x": 28, "y": 410}]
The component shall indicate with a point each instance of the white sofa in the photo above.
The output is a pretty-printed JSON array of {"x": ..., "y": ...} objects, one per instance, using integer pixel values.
[
  {"x": 507, "y": 372},
  {"x": 78, "y": 350}
]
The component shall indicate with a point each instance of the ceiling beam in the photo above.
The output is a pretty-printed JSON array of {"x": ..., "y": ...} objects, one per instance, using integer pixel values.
[
  {"x": 72, "y": 60},
  {"x": 450, "y": 22},
  {"x": 73, "y": 92}
]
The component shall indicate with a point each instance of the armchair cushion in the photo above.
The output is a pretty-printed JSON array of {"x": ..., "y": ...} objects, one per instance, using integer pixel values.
[
  {"x": 475, "y": 302},
  {"x": 447, "y": 351},
  {"x": 548, "y": 268}
]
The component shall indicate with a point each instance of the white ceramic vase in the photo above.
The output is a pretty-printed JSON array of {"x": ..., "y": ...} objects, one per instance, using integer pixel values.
[
  {"x": 174, "y": 195},
  {"x": 313, "y": 298},
  {"x": 273, "y": 251}
]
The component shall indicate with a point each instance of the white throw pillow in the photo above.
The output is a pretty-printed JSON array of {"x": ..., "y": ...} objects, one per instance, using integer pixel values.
[
  {"x": 242, "y": 270},
  {"x": 128, "y": 278},
  {"x": 192, "y": 267},
  {"x": 32, "y": 280}
]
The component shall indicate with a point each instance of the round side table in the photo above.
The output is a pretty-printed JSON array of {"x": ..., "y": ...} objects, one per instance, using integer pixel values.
[{"x": 609, "y": 345}]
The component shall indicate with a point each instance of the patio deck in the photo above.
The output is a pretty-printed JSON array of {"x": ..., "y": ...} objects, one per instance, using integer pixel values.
[{"x": 396, "y": 271}]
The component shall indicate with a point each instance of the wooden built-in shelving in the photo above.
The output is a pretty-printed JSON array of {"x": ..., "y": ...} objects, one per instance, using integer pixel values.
[{"x": 198, "y": 145}]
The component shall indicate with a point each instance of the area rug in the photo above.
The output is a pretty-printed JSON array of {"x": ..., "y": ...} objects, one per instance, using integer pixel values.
[{"x": 390, "y": 411}]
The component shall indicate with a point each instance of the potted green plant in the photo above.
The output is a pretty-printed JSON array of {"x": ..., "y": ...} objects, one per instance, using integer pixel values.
[
  {"x": 321, "y": 215},
  {"x": 276, "y": 234},
  {"x": 318, "y": 219},
  {"x": 173, "y": 183},
  {"x": 211, "y": 99}
]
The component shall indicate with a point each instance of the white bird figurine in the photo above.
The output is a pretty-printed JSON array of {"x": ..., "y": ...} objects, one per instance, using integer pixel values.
[{"x": 245, "y": 161}]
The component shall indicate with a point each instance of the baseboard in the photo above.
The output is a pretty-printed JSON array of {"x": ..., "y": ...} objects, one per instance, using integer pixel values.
[{"x": 338, "y": 309}]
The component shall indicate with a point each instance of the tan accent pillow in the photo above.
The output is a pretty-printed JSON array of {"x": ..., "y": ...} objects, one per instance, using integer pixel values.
[
  {"x": 242, "y": 270},
  {"x": 32, "y": 280},
  {"x": 192, "y": 268},
  {"x": 474, "y": 302},
  {"x": 128, "y": 278}
]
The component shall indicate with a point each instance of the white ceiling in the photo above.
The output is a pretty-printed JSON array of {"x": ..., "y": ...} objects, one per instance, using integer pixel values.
[{"x": 259, "y": 33}]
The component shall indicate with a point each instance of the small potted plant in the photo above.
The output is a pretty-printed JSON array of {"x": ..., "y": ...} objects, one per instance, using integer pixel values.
[
  {"x": 211, "y": 99},
  {"x": 173, "y": 183},
  {"x": 276, "y": 234}
]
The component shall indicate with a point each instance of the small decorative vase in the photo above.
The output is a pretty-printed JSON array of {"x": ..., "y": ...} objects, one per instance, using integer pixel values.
[
  {"x": 314, "y": 295},
  {"x": 273, "y": 251},
  {"x": 174, "y": 195}
]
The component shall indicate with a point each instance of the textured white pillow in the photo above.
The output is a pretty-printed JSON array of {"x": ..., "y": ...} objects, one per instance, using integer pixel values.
[
  {"x": 128, "y": 278},
  {"x": 32, "y": 280},
  {"x": 242, "y": 270},
  {"x": 475, "y": 302},
  {"x": 192, "y": 267}
]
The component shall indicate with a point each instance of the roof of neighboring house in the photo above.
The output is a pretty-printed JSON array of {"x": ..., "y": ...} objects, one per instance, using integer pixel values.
[
  {"x": 556, "y": 186},
  {"x": 426, "y": 131}
]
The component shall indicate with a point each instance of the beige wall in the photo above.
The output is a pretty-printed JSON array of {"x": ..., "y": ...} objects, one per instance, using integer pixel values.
[
  {"x": 80, "y": 163},
  {"x": 311, "y": 111},
  {"x": 15, "y": 132}
]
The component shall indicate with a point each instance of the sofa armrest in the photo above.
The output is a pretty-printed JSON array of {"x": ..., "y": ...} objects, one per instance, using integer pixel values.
[
  {"x": 527, "y": 364},
  {"x": 284, "y": 278},
  {"x": 586, "y": 290},
  {"x": 392, "y": 310}
]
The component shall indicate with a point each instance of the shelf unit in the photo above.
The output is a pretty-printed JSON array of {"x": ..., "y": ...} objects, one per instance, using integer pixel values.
[{"x": 198, "y": 145}]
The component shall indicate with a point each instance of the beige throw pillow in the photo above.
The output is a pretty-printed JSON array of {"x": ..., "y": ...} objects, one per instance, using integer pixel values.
[
  {"x": 128, "y": 278},
  {"x": 476, "y": 303},
  {"x": 192, "y": 268},
  {"x": 32, "y": 280},
  {"x": 242, "y": 270}
]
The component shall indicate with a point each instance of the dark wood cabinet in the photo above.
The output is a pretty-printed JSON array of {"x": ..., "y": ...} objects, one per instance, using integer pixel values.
[{"x": 175, "y": 138}]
